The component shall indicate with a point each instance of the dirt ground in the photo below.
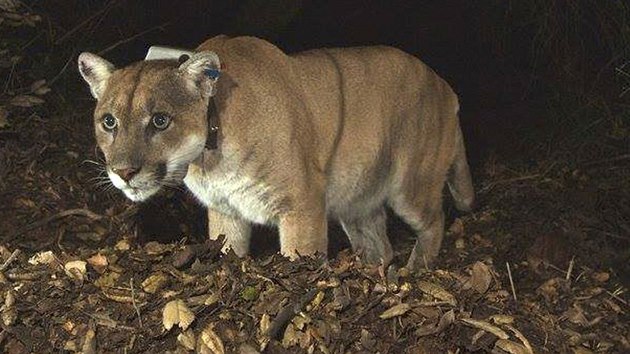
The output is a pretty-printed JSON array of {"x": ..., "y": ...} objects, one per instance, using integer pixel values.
[{"x": 542, "y": 264}]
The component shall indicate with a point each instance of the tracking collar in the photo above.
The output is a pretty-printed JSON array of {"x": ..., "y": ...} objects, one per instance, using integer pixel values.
[
  {"x": 161, "y": 52},
  {"x": 212, "y": 139}
]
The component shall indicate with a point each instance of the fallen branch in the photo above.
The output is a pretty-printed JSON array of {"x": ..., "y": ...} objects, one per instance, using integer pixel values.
[
  {"x": 62, "y": 214},
  {"x": 507, "y": 264},
  {"x": 287, "y": 313},
  {"x": 133, "y": 301},
  {"x": 9, "y": 260}
]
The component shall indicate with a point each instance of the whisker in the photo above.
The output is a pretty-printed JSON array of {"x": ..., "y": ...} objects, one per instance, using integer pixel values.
[{"x": 97, "y": 163}]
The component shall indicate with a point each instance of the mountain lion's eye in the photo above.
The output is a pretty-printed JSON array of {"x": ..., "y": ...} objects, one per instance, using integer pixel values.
[
  {"x": 109, "y": 122},
  {"x": 160, "y": 120}
]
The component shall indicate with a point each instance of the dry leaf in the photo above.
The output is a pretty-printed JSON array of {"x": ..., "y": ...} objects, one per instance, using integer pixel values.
[
  {"x": 457, "y": 227},
  {"x": 367, "y": 339},
  {"x": 89, "y": 343},
  {"x": 31, "y": 19},
  {"x": 600, "y": 277},
  {"x": 37, "y": 85},
  {"x": 265, "y": 323},
  {"x": 76, "y": 269},
  {"x": 522, "y": 338},
  {"x": 122, "y": 245},
  {"x": 187, "y": 339},
  {"x": 154, "y": 282},
  {"x": 46, "y": 257},
  {"x": 446, "y": 320},
  {"x": 486, "y": 327},
  {"x": 210, "y": 342},
  {"x": 107, "y": 280},
  {"x": 510, "y": 347},
  {"x": 71, "y": 346},
  {"x": 316, "y": 301},
  {"x": 481, "y": 277},
  {"x": 26, "y": 101},
  {"x": 98, "y": 262},
  {"x": 437, "y": 292},
  {"x": 291, "y": 336},
  {"x": 9, "y": 6},
  {"x": 429, "y": 329},
  {"x": 9, "y": 313},
  {"x": 42, "y": 90},
  {"x": 576, "y": 315},
  {"x": 153, "y": 248},
  {"x": 502, "y": 319},
  {"x": 211, "y": 299},
  {"x": 395, "y": 311},
  {"x": 177, "y": 313}
]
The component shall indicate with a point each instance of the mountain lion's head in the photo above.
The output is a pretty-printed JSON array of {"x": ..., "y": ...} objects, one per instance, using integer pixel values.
[{"x": 150, "y": 118}]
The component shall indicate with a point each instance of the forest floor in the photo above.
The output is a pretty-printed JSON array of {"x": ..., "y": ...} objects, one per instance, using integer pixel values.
[{"x": 542, "y": 264}]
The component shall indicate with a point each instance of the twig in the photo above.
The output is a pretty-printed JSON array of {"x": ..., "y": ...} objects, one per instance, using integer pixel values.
[
  {"x": 9, "y": 77},
  {"x": 367, "y": 309},
  {"x": 63, "y": 69},
  {"x": 102, "y": 11},
  {"x": 286, "y": 314},
  {"x": 127, "y": 40},
  {"x": 133, "y": 301},
  {"x": 570, "y": 270},
  {"x": 10, "y": 260},
  {"x": 509, "y": 180},
  {"x": 608, "y": 160},
  {"x": 60, "y": 234},
  {"x": 511, "y": 281},
  {"x": 616, "y": 296},
  {"x": 62, "y": 214}
]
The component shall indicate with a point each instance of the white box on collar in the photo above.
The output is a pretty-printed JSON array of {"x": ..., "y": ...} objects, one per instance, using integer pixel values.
[{"x": 160, "y": 52}]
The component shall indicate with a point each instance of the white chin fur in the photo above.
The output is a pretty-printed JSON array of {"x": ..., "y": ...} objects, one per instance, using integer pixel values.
[
  {"x": 135, "y": 194},
  {"x": 139, "y": 195}
]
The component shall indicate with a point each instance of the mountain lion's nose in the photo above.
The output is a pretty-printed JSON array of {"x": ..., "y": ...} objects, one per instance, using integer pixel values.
[{"x": 126, "y": 173}]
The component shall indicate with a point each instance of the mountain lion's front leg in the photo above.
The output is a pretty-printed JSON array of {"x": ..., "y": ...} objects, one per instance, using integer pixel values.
[
  {"x": 236, "y": 230},
  {"x": 303, "y": 233}
]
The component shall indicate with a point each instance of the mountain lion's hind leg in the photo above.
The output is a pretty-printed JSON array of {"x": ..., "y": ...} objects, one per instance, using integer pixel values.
[
  {"x": 368, "y": 236},
  {"x": 426, "y": 217},
  {"x": 236, "y": 230}
]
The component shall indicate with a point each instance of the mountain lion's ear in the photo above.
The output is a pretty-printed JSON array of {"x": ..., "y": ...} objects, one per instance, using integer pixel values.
[
  {"x": 202, "y": 70},
  {"x": 95, "y": 71}
]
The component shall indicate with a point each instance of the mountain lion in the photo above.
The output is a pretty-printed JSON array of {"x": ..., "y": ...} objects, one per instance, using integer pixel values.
[{"x": 338, "y": 133}]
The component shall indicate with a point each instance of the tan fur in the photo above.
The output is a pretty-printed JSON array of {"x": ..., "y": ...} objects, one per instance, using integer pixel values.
[{"x": 339, "y": 133}]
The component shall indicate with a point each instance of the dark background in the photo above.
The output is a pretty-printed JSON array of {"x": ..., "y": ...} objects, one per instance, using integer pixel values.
[{"x": 531, "y": 74}]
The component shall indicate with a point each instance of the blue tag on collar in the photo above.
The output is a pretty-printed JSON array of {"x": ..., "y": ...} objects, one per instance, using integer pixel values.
[{"x": 212, "y": 73}]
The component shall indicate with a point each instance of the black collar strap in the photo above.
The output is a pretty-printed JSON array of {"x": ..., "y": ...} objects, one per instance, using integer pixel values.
[{"x": 212, "y": 139}]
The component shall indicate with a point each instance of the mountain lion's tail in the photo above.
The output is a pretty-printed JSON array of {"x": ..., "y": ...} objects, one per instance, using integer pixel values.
[{"x": 459, "y": 180}]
